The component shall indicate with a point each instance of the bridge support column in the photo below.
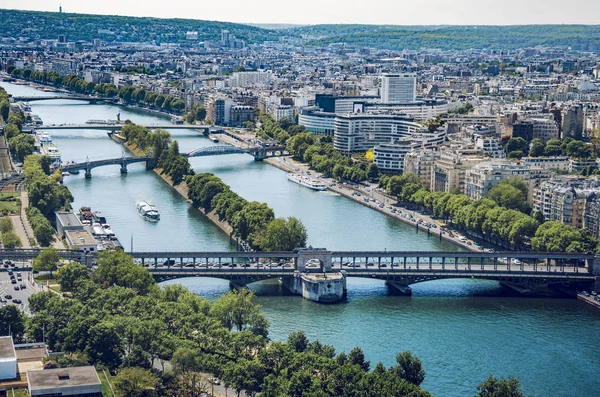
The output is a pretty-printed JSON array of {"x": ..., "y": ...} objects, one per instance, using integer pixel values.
[
  {"x": 88, "y": 173},
  {"x": 123, "y": 168},
  {"x": 317, "y": 287},
  {"x": 399, "y": 288}
]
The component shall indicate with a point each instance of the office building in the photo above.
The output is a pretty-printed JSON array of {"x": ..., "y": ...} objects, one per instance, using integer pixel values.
[{"x": 398, "y": 87}]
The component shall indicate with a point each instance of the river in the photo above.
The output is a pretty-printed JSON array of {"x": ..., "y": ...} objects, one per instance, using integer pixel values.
[{"x": 462, "y": 330}]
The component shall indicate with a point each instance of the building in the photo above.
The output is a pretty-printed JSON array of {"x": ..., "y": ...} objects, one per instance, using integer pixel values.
[
  {"x": 390, "y": 156},
  {"x": 448, "y": 172},
  {"x": 218, "y": 110},
  {"x": 191, "y": 36},
  {"x": 239, "y": 114},
  {"x": 247, "y": 79},
  {"x": 523, "y": 129},
  {"x": 67, "y": 220},
  {"x": 74, "y": 381},
  {"x": 560, "y": 163},
  {"x": 360, "y": 132},
  {"x": 480, "y": 179},
  {"x": 490, "y": 146},
  {"x": 545, "y": 129},
  {"x": 280, "y": 112},
  {"x": 420, "y": 163},
  {"x": 8, "y": 358},
  {"x": 316, "y": 121},
  {"x": 573, "y": 122},
  {"x": 398, "y": 87}
]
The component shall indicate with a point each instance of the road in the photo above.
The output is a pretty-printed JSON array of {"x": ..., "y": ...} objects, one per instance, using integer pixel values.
[{"x": 7, "y": 288}]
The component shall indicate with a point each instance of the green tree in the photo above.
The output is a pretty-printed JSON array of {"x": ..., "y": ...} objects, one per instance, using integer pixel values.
[
  {"x": 409, "y": 368},
  {"x": 70, "y": 273},
  {"x": 11, "y": 240},
  {"x": 21, "y": 146},
  {"x": 493, "y": 387},
  {"x": 12, "y": 322},
  {"x": 6, "y": 225},
  {"x": 104, "y": 345},
  {"x": 537, "y": 148},
  {"x": 516, "y": 144},
  {"x": 298, "y": 341},
  {"x": 135, "y": 382},
  {"x": 283, "y": 235},
  {"x": 507, "y": 195},
  {"x": 46, "y": 260},
  {"x": 11, "y": 131}
]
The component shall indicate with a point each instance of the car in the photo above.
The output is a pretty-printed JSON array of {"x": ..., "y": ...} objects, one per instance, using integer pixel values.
[
  {"x": 23, "y": 286},
  {"x": 17, "y": 301},
  {"x": 8, "y": 296},
  {"x": 10, "y": 272},
  {"x": 17, "y": 288},
  {"x": 2, "y": 300},
  {"x": 13, "y": 281}
]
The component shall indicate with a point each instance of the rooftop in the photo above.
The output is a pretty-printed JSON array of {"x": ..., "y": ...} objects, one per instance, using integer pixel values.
[
  {"x": 7, "y": 350},
  {"x": 79, "y": 238},
  {"x": 61, "y": 377},
  {"x": 67, "y": 218}
]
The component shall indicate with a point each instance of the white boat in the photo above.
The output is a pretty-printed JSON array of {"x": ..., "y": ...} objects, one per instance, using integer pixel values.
[
  {"x": 43, "y": 137},
  {"x": 148, "y": 211},
  {"x": 108, "y": 230},
  {"x": 52, "y": 151},
  {"x": 306, "y": 181}
]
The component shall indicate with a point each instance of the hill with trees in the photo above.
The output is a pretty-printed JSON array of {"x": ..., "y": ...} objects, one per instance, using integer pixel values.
[
  {"x": 48, "y": 25},
  {"x": 578, "y": 37}
]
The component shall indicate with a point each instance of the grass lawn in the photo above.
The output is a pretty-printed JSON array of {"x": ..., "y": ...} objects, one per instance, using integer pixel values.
[
  {"x": 18, "y": 393},
  {"x": 10, "y": 202},
  {"x": 105, "y": 387}
]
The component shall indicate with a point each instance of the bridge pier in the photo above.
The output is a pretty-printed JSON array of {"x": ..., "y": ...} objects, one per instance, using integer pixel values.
[
  {"x": 399, "y": 288},
  {"x": 317, "y": 287},
  {"x": 123, "y": 168},
  {"x": 88, "y": 173}
]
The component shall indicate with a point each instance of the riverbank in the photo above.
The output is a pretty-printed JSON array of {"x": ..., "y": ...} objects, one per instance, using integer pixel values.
[
  {"x": 40, "y": 86},
  {"x": 358, "y": 194},
  {"x": 182, "y": 189}
]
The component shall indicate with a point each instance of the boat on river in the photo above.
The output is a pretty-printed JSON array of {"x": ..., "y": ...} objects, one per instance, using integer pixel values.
[
  {"x": 148, "y": 211},
  {"x": 306, "y": 181}
]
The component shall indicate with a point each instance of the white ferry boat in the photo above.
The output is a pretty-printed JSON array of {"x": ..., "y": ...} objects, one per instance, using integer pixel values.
[
  {"x": 306, "y": 181},
  {"x": 43, "y": 137},
  {"x": 148, "y": 211},
  {"x": 52, "y": 151},
  {"x": 92, "y": 121}
]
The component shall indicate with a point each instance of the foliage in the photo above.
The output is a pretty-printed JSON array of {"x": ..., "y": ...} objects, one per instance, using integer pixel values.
[
  {"x": 12, "y": 322},
  {"x": 250, "y": 220},
  {"x": 558, "y": 237},
  {"x": 283, "y": 235},
  {"x": 11, "y": 240},
  {"x": 579, "y": 37},
  {"x": 135, "y": 382},
  {"x": 115, "y": 267},
  {"x": 6, "y": 225},
  {"x": 510, "y": 193},
  {"x": 196, "y": 113},
  {"x": 71, "y": 273},
  {"x": 21, "y": 146},
  {"x": 42, "y": 229},
  {"x": 46, "y": 260},
  {"x": 493, "y": 387}
]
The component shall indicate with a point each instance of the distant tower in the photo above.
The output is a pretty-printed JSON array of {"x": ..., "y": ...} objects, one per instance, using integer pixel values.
[{"x": 60, "y": 8}]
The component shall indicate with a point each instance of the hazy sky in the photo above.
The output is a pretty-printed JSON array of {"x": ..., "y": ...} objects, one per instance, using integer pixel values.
[{"x": 398, "y": 12}]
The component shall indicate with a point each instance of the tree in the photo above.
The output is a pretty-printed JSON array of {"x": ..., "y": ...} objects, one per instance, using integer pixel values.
[
  {"x": 104, "y": 345},
  {"x": 70, "y": 273},
  {"x": 6, "y": 225},
  {"x": 516, "y": 144},
  {"x": 12, "y": 322},
  {"x": 184, "y": 360},
  {"x": 11, "y": 130},
  {"x": 493, "y": 387},
  {"x": 578, "y": 149},
  {"x": 409, "y": 368},
  {"x": 537, "y": 148},
  {"x": 46, "y": 260},
  {"x": 11, "y": 240},
  {"x": 508, "y": 196},
  {"x": 135, "y": 382},
  {"x": 372, "y": 172},
  {"x": 357, "y": 357},
  {"x": 283, "y": 235},
  {"x": 21, "y": 146},
  {"x": 45, "y": 163},
  {"x": 298, "y": 341}
]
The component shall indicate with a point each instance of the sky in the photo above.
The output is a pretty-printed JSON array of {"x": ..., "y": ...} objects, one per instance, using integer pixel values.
[{"x": 393, "y": 12}]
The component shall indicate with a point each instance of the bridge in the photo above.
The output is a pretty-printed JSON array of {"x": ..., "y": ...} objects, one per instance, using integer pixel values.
[
  {"x": 87, "y": 98},
  {"x": 118, "y": 127},
  {"x": 318, "y": 268},
  {"x": 122, "y": 161},
  {"x": 259, "y": 153}
]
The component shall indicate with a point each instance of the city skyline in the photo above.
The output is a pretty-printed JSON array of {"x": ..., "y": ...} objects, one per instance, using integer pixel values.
[{"x": 433, "y": 12}]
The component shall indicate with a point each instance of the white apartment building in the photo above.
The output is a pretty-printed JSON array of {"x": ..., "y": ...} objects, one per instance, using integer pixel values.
[
  {"x": 480, "y": 179},
  {"x": 398, "y": 87},
  {"x": 247, "y": 79},
  {"x": 420, "y": 163},
  {"x": 280, "y": 112},
  {"x": 490, "y": 146},
  {"x": 390, "y": 156},
  {"x": 360, "y": 132},
  {"x": 561, "y": 163}
]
